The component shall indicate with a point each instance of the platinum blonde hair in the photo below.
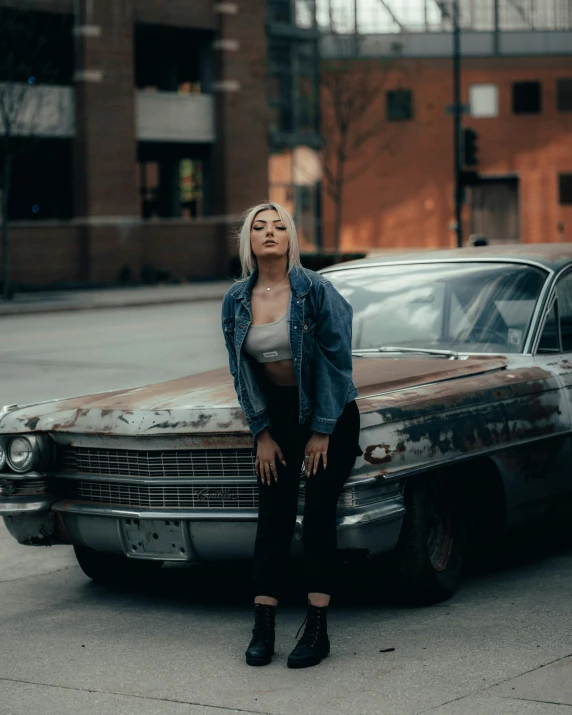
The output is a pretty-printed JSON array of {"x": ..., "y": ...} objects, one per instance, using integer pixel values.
[{"x": 247, "y": 257}]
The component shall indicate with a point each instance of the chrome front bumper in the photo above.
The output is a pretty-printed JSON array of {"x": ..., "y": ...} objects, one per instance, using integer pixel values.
[{"x": 207, "y": 535}]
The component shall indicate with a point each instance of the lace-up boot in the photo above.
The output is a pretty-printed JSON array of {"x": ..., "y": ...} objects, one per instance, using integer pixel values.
[
  {"x": 261, "y": 648},
  {"x": 314, "y": 645}
]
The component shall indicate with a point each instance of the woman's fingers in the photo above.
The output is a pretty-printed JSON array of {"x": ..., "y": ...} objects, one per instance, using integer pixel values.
[
  {"x": 280, "y": 456},
  {"x": 268, "y": 471},
  {"x": 273, "y": 470},
  {"x": 312, "y": 461}
]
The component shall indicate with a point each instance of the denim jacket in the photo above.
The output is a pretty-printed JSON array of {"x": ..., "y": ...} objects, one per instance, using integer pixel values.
[{"x": 320, "y": 339}]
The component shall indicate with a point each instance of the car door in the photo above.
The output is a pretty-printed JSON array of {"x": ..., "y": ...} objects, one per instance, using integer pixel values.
[{"x": 554, "y": 354}]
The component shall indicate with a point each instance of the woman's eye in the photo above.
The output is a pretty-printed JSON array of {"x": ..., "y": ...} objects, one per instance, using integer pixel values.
[
  {"x": 281, "y": 228},
  {"x": 258, "y": 228}
]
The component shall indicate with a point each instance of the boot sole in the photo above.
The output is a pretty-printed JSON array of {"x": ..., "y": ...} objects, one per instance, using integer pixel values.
[
  {"x": 306, "y": 664},
  {"x": 259, "y": 661}
]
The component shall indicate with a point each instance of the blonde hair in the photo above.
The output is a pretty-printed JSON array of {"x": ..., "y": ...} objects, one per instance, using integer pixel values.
[{"x": 247, "y": 258}]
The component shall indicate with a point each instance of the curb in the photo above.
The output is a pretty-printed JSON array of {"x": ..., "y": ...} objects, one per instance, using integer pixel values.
[{"x": 71, "y": 307}]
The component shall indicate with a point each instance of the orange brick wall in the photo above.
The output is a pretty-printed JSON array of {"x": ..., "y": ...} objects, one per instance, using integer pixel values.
[{"x": 406, "y": 197}]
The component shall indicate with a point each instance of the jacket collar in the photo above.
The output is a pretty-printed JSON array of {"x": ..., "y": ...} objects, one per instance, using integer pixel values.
[{"x": 299, "y": 283}]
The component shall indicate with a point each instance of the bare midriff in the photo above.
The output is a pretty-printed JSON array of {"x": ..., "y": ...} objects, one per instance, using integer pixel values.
[{"x": 280, "y": 372}]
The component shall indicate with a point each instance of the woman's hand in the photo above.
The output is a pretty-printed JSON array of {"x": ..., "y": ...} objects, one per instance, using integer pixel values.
[
  {"x": 266, "y": 454},
  {"x": 316, "y": 448}
]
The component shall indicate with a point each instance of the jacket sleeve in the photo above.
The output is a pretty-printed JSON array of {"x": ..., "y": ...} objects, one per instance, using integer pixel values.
[
  {"x": 332, "y": 359},
  {"x": 228, "y": 324},
  {"x": 228, "y": 331}
]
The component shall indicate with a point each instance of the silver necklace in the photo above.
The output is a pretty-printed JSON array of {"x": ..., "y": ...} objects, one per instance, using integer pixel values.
[{"x": 274, "y": 286}]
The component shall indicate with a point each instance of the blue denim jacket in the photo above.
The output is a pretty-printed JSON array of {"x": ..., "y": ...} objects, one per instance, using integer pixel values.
[{"x": 320, "y": 338}]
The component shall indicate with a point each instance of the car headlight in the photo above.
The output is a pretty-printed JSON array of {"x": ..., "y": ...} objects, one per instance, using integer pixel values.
[
  {"x": 2, "y": 457},
  {"x": 23, "y": 453}
]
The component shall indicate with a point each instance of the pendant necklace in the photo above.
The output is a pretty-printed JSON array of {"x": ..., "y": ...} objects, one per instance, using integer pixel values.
[{"x": 274, "y": 286}]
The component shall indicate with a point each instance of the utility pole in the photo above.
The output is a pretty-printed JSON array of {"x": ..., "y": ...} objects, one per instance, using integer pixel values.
[{"x": 457, "y": 113}]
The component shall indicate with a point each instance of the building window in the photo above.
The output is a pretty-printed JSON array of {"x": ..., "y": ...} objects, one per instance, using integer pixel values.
[
  {"x": 36, "y": 47},
  {"x": 484, "y": 100},
  {"x": 173, "y": 181},
  {"x": 564, "y": 94},
  {"x": 399, "y": 105},
  {"x": 42, "y": 185},
  {"x": 171, "y": 59},
  {"x": 565, "y": 189},
  {"x": 526, "y": 98}
]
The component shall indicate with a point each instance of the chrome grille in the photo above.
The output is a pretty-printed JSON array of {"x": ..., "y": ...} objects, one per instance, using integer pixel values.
[
  {"x": 179, "y": 496},
  {"x": 233, "y": 463}
]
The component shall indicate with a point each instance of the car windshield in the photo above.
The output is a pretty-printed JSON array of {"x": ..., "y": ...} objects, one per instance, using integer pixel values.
[{"x": 466, "y": 307}]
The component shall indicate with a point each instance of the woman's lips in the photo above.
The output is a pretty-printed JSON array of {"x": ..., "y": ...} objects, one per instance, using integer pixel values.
[{"x": 269, "y": 243}]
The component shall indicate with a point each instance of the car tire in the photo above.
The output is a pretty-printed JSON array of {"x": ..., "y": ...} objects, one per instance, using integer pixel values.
[
  {"x": 430, "y": 551},
  {"x": 114, "y": 569}
]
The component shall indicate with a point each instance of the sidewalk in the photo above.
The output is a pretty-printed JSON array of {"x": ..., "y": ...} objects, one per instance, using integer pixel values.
[{"x": 99, "y": 299}]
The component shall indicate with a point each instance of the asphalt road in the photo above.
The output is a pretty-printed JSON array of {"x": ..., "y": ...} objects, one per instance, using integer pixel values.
[{"x": 503, "y": 645}]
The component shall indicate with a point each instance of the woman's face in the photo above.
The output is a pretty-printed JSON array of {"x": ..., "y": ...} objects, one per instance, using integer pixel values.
[{"x": 268, "y": 235}]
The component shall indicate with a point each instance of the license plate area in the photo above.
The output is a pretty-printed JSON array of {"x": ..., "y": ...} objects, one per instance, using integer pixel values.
[{"x": 155, "y": 538}]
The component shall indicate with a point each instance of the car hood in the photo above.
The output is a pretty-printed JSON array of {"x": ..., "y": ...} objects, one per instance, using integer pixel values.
[{"x": 206, "y": 403}]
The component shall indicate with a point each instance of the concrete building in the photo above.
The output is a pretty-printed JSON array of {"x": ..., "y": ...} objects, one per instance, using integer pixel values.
[
  {"x": 517, "y": 92},
  {"x": 151, "y": 139}
]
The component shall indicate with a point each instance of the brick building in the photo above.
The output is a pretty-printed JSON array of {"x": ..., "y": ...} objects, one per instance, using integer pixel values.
[
  {"x": 159, "y": 141},
  {"x": 517, "y": 86},
  {"x": 522, "y": 113}
]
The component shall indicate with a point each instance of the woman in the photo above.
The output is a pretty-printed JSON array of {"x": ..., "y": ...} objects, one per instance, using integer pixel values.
[{"x": 288, "y": 334}]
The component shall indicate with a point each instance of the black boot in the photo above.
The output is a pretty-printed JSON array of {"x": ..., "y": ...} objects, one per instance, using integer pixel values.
[
  {"x": 314, "y": 645},
  {"x": 261, "y": 648}
]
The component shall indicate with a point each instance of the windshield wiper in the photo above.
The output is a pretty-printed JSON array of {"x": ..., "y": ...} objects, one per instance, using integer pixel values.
[{"x": 450, "y": 354}]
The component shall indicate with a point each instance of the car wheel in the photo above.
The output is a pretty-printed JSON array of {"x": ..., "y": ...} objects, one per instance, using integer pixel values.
[
  {"x": 114, "y": 569},
  {"x": 431, "y": 545}
]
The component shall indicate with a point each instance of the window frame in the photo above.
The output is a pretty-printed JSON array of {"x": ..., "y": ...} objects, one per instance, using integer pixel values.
[
  {"x": 527, "y": 112},
  {"x": 562, "y": 177},
  {"x": 560, "y": 81},
  {"x": 473, "y": 87},
  {"x": 395, "y": 91},
  {"x": 552, "y": 303}
]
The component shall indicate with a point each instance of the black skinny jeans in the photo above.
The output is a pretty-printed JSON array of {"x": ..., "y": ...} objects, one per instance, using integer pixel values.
[{"x": 278, "y": 501}]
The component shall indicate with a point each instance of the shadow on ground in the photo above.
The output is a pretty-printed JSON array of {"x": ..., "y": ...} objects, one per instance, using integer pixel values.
[{"x": 369, "y": 584}]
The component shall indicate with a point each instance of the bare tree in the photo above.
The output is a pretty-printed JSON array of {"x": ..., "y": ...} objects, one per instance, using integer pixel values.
[
  {"x": 354, "y": 127},
  {"x": 28, "y": 109}
]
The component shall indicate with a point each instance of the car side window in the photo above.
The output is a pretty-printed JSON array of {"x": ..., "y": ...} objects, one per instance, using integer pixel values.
[
  {"x": 564, "y": 296},
  {"x": 550, "y": 340}
]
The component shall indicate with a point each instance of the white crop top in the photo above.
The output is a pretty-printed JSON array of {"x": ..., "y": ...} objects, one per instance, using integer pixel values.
[{"x": 270, "y": 342}]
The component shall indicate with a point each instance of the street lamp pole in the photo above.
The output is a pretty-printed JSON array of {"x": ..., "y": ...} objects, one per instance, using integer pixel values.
[{"x": 457, "y": 111}]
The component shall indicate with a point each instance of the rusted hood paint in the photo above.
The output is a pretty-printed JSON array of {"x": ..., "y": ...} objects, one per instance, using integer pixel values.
[{"x": 206, "y": 403}]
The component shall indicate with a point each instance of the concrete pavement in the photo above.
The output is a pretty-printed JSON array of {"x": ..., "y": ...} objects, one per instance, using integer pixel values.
[{"x": 124, "y": 297}]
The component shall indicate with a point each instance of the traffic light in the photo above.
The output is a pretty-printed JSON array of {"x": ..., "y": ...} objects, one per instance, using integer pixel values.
[{"x": 471, "y": 148}]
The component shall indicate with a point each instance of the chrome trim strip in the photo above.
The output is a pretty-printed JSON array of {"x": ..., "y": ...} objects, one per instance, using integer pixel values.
[
  {"x": 387, "y": 511},
  {"x": 157, "y": 481},
  {"x": 70, "y": 506},
  {"x": 12, "y": 507},
  {"x": 22, "y": 476}
]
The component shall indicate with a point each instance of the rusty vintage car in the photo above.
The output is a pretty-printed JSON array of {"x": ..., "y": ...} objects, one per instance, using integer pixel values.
[{"x": 463, "y": 362}]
